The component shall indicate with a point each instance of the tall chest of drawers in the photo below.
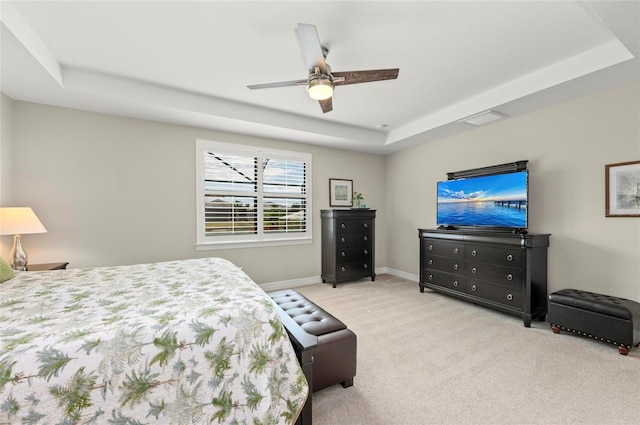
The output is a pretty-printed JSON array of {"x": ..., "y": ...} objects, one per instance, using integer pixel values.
[
  {"x": 504, "y": 271},
  {"x": 348, "y": 245}
]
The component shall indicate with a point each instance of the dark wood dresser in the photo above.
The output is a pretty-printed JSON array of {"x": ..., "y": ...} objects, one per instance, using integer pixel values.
[
  {"x": 348, "y": 242},
  {"x": 500, "y": 270}
]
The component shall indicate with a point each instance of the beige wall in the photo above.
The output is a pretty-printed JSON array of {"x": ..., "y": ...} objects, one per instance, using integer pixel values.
[
  {"x": 567, "y": 147},
  {"x": 6, "y": 135},
  {"x": 6, "y": 142},
  {"x": 113, "y": 190}
]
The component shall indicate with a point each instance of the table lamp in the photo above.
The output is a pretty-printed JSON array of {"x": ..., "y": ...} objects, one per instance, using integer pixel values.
[{"x": 19, "y": 221}]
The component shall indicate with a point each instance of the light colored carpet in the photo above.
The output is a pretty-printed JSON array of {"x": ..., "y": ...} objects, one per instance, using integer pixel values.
[{"x": 424, "y": 358}]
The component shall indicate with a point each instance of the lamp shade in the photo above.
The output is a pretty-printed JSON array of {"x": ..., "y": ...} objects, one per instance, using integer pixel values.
[{"x": 19, "y": 221}]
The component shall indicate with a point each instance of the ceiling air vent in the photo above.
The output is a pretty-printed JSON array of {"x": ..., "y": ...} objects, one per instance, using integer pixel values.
[{"x": 483, "y": 118}]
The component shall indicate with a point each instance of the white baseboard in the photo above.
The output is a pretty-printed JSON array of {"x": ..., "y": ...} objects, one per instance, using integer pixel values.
[
  {"x": 289, "y": 284},
  {"x": 398, "y": 273},
  {"x": 293, "y": 283}
]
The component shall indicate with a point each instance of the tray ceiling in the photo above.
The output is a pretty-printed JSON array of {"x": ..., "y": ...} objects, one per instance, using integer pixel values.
[{"x": 190, "y": 62}]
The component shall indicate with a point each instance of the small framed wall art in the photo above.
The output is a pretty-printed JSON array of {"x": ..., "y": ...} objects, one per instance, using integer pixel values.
[
  {"x": 340, "y": 192},
  {"x": 622, "y": 189}
]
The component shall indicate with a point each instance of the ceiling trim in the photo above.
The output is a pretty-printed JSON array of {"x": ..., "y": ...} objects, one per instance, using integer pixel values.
[
  {"x": 14, "y": 22},
  {"x": 606, "y": 55}
]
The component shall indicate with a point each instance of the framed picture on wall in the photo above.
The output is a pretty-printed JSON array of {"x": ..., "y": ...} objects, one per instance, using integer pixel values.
[
  {"x": 622, "y": 189},
  {"x": 340, "y": 192}
]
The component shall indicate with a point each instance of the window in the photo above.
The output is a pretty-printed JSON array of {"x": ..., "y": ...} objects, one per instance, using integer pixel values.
[{"x": 251, "y": 196}]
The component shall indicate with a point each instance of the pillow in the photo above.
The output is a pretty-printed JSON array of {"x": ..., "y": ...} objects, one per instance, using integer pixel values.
[{"x": 6, "y": 272}]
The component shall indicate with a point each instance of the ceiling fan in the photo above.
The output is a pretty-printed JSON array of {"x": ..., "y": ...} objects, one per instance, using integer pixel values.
[{"x": 322, "y": 80}]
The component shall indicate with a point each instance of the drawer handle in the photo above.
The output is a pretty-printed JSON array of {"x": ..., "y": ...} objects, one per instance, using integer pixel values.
[
  {"x": 342, "y": 239},
  {"x": 473, "y": 287},
  {"x": 455, "y": 283},
  {"x": 366, "y": 252},
  {"x": 455, "y": 250},
  {"x": 430, "y": 247},
  {"x": 342, "y": 268},
  {"x": 510, "y": 297},
  {"x": 430, "y": 261},
  {"x": 509, "y": 276},
  {"x": 474, "y": 270},
  {"x": 366, "y": 225},
  {"x": 366, "y": 266},
  {"x": 455, "y": 267},
  {"x": 344, "y": 254},
  {"x": 343, "y": 225},
  {"x": 474, "y": 252},
  {"x": 509, "y": 257},
  {"x": 430, "y": 277}
]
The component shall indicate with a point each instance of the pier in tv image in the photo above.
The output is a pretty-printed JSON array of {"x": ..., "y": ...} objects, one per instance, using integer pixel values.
[{"x": 498, "y": 200}]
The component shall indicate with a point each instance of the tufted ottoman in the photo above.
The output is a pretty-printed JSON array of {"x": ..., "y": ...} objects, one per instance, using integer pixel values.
[
  {"x": 334, "y": 355},
  {"x": 611, "y": 319}
]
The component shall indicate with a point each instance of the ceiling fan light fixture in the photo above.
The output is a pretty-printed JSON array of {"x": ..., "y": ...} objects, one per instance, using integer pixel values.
[{"x": 320, "y": 88}]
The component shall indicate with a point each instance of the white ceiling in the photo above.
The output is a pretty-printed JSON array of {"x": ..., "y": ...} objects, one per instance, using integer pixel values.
[{"x": 190, "y": 62}]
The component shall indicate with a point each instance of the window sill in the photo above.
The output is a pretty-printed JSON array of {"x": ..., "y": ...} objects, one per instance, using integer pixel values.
[{"x": 206, "y": 246}]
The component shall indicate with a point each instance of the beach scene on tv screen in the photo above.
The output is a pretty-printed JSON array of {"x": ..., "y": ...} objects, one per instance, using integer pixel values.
[{"x": 493, "y": 201}]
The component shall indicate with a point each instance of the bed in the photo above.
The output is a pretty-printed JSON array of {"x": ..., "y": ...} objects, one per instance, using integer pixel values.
[{"x": 178, "y": 342}]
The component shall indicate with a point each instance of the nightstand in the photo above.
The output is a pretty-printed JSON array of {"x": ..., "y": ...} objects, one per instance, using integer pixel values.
[{"x": 46, "y": 266}]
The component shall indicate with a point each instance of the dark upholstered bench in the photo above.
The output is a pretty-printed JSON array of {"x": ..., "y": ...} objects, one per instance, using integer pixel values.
[
  {"x": 610, "y": 319},
  {"x": 334, "y": 355}
]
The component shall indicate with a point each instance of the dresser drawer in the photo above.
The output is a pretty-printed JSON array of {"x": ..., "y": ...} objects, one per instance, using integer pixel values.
[
  {"x": 357, "y": 227},
  {"x": 449, "y": 249},
  {"x": 445, "y": 264},
  {"x": 353, "y": 270},
  {"x": 446, "y": 280},
  {"x": 357, "y": 251},
  {"x": 506, "y": 276},
  {"x": 353, "y": 241},
  {"x": 500, "y": 294},
  {"x": 510, "y": 257}
]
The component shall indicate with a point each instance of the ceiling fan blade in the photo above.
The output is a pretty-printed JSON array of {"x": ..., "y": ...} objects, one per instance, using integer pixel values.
[
  {"x": 357, "y": 77},
  {"x": 326, "y": 105},
  {"x": 311, "y": 47},
  {"x": 279, "y": 84},
  {"x": 320, "y": 74}
]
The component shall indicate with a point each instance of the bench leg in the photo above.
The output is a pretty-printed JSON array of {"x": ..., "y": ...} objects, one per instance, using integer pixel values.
[
  {"x": 623, "y": 350},
  {"x": 347, "y": 383}
]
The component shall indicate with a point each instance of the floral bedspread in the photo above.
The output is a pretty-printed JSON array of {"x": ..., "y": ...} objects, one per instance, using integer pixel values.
[{"x": 179, "y": 342}]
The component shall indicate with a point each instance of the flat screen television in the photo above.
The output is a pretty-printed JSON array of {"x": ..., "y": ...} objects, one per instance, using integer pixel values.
[{"x": 493, "y": 201}]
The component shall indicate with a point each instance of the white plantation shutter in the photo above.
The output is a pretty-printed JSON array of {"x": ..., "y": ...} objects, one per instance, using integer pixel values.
[
  {"x": 284, "y": 195},
  {"x": 252, "y": 195},
  {"x": 230, "y": 194}
]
